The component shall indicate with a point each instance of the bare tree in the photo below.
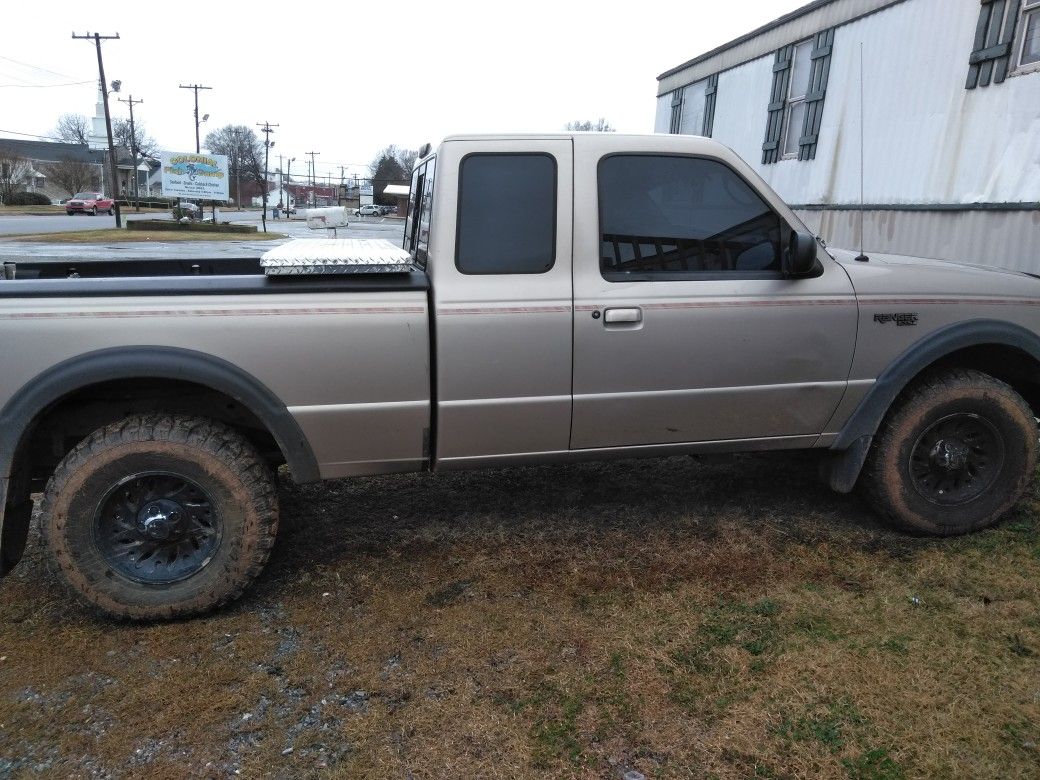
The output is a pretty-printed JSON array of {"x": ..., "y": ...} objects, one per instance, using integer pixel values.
[
  {"x": 144, "y": 143},
  {"x": 601, "y": 125},
  {"x": 407, "y": 158},
  {"x": 73, "y": 175},
  {"x": 245, "y": 153},
  {"x": 72, "y": 128},
  {"x": 15, "y": 174}
]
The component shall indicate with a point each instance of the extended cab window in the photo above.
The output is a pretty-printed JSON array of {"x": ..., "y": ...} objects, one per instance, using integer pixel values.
[
  {"x": 420, "y": 211},
  {"x": 507, "y": 214},
  {"x": 667, "y": 217}
]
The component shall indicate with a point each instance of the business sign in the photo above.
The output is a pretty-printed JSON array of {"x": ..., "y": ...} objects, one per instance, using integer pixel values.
[
  {"x": 195, "y": 176},
  {"x": 365, "y": 195}
]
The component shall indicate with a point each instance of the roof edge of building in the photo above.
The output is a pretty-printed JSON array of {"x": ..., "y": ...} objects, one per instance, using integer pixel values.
[{"x": 847, "y": 11}]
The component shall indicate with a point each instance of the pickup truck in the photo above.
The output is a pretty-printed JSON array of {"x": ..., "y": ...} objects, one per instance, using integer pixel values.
[{"x": 565, "y": 297}]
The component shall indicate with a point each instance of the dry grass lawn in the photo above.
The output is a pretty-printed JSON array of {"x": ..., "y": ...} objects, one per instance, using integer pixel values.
[
  {"x": 681, "y": 618},
  {"x": 108, "y": 235}
]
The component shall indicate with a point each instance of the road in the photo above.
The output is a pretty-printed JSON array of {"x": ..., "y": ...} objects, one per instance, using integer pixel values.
[
  {"x": 366, "y": 227},
  {"x": 19, "y": 225}
]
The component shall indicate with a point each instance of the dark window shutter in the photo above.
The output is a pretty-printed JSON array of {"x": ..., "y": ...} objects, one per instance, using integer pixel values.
[
  {"x": 821, "y": 68},
  {"x": 709, "y": 105},
  {"x": 994, "y": 35},
  {"x": 777, "y": 103},
  {"x": 676, "y": 120}
]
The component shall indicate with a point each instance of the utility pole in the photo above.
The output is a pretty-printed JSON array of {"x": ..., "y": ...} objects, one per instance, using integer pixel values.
[
  {"x": 196, "y": 88},
  {"x": 314, "y": 171},
  {"x": 113, "y": 167},
  {"x": 133, "y": 147},
  {"x": 288, "y": 180},
  {"x": 266, "y": 128},
  {"x": 236, "y": 158}
]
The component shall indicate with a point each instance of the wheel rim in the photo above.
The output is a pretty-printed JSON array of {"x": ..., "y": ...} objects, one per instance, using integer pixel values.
[
  {"x": 956, "y": 459},
  {"x": 157, "y": 527}
]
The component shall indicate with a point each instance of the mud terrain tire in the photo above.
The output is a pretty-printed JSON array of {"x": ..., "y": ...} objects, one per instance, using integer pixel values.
[
  {"x": 160, "y": 516},
  {"x": 954, "y": 454}
]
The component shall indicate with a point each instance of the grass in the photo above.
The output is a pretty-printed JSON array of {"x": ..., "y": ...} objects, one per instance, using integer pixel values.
[
  {"x": 108, "y": 235},
  {"x": 684, "y": 618}
]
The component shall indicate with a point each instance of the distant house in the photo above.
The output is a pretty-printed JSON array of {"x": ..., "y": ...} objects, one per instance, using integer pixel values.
[
  {"x": 951, "y": 110},
  {"x": 45, "y": 159}
]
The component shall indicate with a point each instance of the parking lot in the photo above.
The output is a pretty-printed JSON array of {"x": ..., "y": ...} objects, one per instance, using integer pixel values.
[{"x": 711, "y": 617}]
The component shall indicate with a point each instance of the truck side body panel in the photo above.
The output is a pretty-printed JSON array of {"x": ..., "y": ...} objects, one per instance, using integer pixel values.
[
  {"x": 503, "y": 342},
  {"x": 352, "y": 368}
]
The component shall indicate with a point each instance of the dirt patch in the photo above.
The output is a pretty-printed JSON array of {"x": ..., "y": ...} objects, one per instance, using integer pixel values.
[{"x": 671, "y": 618}]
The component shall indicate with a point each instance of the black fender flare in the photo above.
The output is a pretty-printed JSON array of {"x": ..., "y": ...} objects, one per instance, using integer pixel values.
[
  {"x": 24, "y": 407},
  {"x": 850, "y": 448}
]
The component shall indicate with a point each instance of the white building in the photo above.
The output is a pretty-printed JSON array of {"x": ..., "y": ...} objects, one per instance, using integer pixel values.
[{"x": 951, "y": 110}]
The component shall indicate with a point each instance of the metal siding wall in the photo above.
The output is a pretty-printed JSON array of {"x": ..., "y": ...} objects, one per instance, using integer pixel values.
[
  {"x": 928, "y": 139},
  {"x": 664, "y": 113},
  {"x": 1003, "y": 239},
  {"x": 829, "y": 15}
]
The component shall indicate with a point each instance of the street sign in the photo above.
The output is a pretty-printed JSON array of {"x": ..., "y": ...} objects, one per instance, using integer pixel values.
[{"x": 194, "y": 176}]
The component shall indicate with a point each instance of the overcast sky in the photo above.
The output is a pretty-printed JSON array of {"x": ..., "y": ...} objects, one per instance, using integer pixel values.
[{"x": 346, "y": 79}]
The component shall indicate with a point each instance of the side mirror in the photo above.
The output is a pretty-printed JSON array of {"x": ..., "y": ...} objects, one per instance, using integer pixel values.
[{"x": 800, "y": 257}]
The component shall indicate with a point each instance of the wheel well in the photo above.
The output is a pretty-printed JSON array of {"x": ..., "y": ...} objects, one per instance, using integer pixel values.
[
  {"x": 1009, "y": 364},
  {"x": 66, "y": 422}
]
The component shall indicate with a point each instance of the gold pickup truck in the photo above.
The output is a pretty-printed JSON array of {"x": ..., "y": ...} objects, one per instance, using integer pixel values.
[{"x": 563, "y": 297}]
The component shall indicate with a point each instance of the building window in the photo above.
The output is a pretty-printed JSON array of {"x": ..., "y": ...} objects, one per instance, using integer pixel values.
[
  {"x": 507, "y": 214},
  {"x": 1006, "y": 38},
  {"x": 676, "y": 119},
  {"x": 794, "y": 115},
  {"x": 1029, "y": 48},
  {"x": 670, "y": 218}
]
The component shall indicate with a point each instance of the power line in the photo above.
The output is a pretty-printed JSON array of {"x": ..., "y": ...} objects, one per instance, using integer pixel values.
[
  {"x": 37, "y": 67},
  {"x": 45, "y": 86},
  {"x": 33, "y": 135}
]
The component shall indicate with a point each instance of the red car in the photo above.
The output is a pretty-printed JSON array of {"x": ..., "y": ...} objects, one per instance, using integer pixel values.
[{"x": 89, "y": 203}]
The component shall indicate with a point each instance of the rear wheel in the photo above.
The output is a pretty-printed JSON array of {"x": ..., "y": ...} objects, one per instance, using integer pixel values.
[
  {"x": 160, "y": 517},
  {"x": 955, "y": 454}
]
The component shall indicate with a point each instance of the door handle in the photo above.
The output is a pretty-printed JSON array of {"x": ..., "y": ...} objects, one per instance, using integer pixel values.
[{"x": 629, "y": 316}]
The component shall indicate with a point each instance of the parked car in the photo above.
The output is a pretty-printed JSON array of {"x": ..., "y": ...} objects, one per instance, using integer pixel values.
[
  {"x": 593, "y": 296},
  {"x": 89, "y": 203},
  {"x": 369, "y": 209}
]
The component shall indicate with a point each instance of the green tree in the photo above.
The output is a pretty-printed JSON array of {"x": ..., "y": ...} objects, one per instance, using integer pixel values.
[{"x": 387, "y": 168}]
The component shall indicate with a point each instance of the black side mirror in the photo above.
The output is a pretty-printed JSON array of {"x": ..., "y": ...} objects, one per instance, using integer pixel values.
[{"x": 800, "y": 257}]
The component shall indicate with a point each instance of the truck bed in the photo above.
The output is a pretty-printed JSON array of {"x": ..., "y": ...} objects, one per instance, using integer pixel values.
[
  {"x": 225, "y": 276},
  {"x": 348, "y": 356}
]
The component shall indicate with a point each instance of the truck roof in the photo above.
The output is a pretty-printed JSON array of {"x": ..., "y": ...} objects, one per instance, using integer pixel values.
[{"x": 632, "y": 141}]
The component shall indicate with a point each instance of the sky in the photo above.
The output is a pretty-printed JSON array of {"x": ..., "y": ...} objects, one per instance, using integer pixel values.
[{"x": 348, "y": 79}]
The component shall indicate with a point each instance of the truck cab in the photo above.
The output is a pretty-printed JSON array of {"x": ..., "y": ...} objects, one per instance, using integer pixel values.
[{"x": 603, "y": 293}]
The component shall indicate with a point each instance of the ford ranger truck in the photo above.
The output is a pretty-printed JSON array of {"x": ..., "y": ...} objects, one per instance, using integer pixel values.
[{"x": 566, "y": 297}]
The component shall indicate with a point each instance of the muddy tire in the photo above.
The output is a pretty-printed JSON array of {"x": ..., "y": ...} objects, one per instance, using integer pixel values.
[
  {"x": 955, "y": 453},
  {"x": 160, "y": 516}
]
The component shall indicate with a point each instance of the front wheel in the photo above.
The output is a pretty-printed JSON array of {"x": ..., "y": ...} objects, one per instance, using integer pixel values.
[
  {"x": 955, "y": 454},
  {"x": 160, "y": 516},
  {"x": 93, "y": 211}
]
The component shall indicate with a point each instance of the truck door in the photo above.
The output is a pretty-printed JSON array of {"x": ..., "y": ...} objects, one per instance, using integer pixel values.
[
  {"x": 684, "y": 328},
  {"x": 500, "y": 264}
]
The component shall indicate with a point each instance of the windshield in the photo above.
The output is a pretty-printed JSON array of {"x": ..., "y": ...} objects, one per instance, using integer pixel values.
[{"x": 85, "y": 195}]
